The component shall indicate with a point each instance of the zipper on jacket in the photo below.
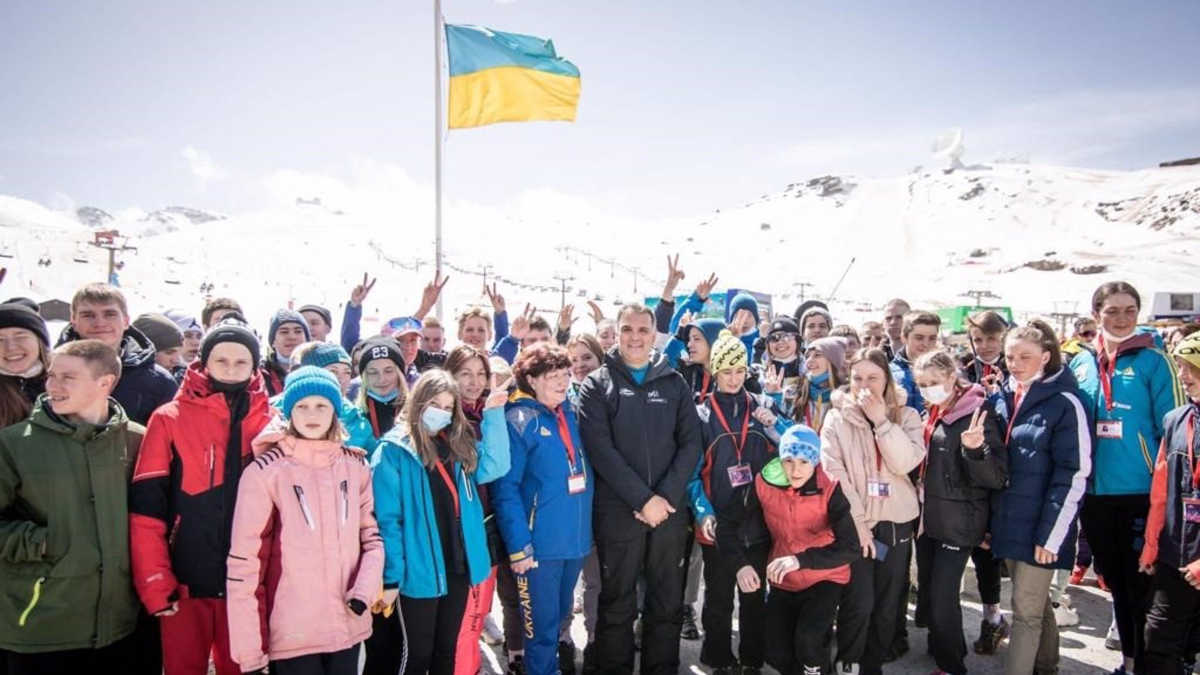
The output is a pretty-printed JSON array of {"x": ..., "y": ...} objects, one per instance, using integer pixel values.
[
  {"x": 174, "y": 531},
  {"x": 37, "y": 595},
  {"x": 345, "y": 501},
  {"x": 533, "y": 512},
  {"x": 308, "y": 518}
]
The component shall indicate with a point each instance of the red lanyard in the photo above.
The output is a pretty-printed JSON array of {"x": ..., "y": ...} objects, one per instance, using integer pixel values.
[
  {"x": 745, "y": 426},
  {"x": 704, "y": 388},
  {"x": 565, "y": 432},
  {"x": 374, "y": 416},
  {"x": 1018, "y": 398},
  {"x": 935, "y": 414},
  {"x": 1191, "y": 441},
  {"x": 449, "y": 484},
  {"x": 1106, "y": 374}
]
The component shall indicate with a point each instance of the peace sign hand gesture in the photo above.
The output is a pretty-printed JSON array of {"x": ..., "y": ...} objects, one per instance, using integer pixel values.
[
  {"x": 499, "y": 396},
  {"x": 774, "y": 382},
  {"x": 972, "y": 438},
  {"x": 705, "y": 288},
  {"x": 674, "y": 276},
  {"x": 361, "y": 291},
  {"x": 494, "y": 297},
  {"x": 429, "y": 296}
]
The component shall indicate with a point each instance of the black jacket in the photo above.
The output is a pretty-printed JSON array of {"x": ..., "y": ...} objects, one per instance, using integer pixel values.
[
  {"x": 144, "y": 385},
  {"x": 958, "y": 482},
  {"x": 643, "y": 440}
]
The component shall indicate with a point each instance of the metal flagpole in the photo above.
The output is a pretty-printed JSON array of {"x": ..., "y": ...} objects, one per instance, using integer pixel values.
[{"x": 437, "y": 141}]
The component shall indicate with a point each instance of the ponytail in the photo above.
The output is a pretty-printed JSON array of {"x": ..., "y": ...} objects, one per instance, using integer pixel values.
[{"x": 1040, "y": 332}]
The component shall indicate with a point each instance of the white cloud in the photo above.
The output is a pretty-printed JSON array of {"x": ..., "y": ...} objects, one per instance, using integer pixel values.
[
  {"x": 202, "y": 166},
  {"x": 1085, "y": 127}
]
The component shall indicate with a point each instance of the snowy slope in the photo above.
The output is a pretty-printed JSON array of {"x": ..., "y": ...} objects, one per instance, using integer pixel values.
[{"x": 927, "y": 237}]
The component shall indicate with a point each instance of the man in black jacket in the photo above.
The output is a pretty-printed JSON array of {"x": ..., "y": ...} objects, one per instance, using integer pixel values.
[
  {"x": 99, "y": 312},
  {"x": 643, "y": 435}
]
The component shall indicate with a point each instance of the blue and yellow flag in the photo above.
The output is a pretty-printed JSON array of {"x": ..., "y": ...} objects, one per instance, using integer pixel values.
[{"x": 505, "y": 77}]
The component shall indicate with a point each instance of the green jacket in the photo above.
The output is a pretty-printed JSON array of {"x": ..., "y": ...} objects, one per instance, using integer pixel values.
[{"x": 64, "y": 532}]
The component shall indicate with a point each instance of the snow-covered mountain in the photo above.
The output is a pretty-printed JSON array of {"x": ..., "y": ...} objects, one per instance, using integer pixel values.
[{"x": 1039, "y": 237}]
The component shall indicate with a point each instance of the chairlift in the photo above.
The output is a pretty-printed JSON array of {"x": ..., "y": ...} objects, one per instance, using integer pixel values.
[{"x": 173, "y": 282}]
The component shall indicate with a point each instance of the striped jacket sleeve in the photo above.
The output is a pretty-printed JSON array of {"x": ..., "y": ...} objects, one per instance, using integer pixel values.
[{"x": 1071, "y": 455}]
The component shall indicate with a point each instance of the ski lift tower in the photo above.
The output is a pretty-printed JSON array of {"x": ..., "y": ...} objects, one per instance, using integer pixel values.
[{"x": 106, "y": 240}]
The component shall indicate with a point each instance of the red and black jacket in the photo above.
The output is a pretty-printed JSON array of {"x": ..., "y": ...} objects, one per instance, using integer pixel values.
[
  {"x": 185, "y": 487},
  {"x": 1172, "y": 539}
]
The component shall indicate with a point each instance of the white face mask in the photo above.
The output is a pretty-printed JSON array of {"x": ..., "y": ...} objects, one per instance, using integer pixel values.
[
  {"x": 936, "y": 395},
  {"x": 436, "y": 419},
  {"x": 1111, "y": 339},
  {"x": 1035, "y": 378}
]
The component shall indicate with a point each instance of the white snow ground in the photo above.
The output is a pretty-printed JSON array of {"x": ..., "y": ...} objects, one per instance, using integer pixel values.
[{"x": 926, "y": 236}]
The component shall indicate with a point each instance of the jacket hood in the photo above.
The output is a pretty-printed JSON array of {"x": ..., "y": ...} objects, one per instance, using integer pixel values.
[
  {"x": 968, "y": 402},
  {"x": 136, "y": 350},
  {"x": 44, "y": 417},
  {"x": 742, "y": 301},
  {"x": 309, "y": 452}
]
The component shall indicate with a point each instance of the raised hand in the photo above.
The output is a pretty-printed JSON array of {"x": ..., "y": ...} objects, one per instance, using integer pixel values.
[
  {"x": 565, "y": 320},
  {"x": 705, "y": 288},
  {"x": 991, "y": 383},
  {"x": 972, "y": 438},
  {"x": 494, "y": 297},
  {"x": 520, "y": 325},
  {"x": 595, "y": 311},
  {"x": 429, "y": 296},
  {"x": 674, "y": 276},
  {"x": 873, "y": 406},
  {"x": 685, "y": 320},
  {"x": 499, "y": 395},
  {"x": 774, "y": 382},
  {"x": 361, "y": 291}
]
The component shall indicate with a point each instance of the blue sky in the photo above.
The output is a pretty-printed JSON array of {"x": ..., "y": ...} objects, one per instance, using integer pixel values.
[{"x": 687, "y": 106}]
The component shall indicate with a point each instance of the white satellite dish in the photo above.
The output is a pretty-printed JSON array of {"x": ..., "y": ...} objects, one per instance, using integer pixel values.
[{"x": 948, "y": 147}]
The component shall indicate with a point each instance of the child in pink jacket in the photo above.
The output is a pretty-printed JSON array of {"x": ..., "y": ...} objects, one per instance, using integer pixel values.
[{"x": 306, "y": 558}]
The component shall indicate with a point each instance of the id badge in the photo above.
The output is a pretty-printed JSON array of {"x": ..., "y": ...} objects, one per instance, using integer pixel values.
[
  {"x": 1108, "y": 429},
  {"x": 879, "y": 489},
  {"x": 740, "y": 475},
  {"x": 576, "y": 483},
  {"x": 1191, "y": 510}
]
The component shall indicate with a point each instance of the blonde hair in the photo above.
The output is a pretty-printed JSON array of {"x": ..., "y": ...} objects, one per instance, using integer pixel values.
[
  {"x": 432, "y": 322},
  {"x": 460, "y": 435}
]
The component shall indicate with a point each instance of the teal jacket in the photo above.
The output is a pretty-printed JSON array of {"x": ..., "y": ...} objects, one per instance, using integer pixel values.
[
  {"x": 404, "y": 508},
  {"x": 1145, "y": 387}
]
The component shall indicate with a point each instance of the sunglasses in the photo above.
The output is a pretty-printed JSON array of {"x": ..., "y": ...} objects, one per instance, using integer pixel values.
[
  {"x": 1088, "y": 334},
  {"x": 782, "y": 337},
  {"x": 404, "y": 323}
]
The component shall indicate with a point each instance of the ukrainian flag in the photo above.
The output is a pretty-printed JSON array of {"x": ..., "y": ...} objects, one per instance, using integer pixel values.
[{"x": 505, "y": 77}]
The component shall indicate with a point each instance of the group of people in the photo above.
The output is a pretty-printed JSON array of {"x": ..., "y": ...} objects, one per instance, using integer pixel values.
[{"x": 177, "y": 493}]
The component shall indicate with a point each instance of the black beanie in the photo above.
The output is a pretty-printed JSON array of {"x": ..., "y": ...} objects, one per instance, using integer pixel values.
[
  {"x": 163, "y": 332},
  {"x": 19, "y": 315},
  {"x": 230, "y": 330},
  {"x": 380, "y": 347}
]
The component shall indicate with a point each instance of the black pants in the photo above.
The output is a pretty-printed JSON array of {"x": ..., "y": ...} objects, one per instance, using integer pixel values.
[
  {"x": 344, "y": 662},
  {"x": 1116, "y": 530},
  {"x": 1172, "y": 624},
  {"x": 987, "y": 575},
  {"x": 385, "y": 647},
  {"x": 866, "y": 620},
  {"x": 720, "y": 583},
  {"x": 628, "y": 549},
  {"x": 940, "y": 568},
  {"x": 800, "y": 624},
  {"x": 510, "y": 608},
  {"x": 431, "y": 628},
  {"x": 119, "y": 657}
]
